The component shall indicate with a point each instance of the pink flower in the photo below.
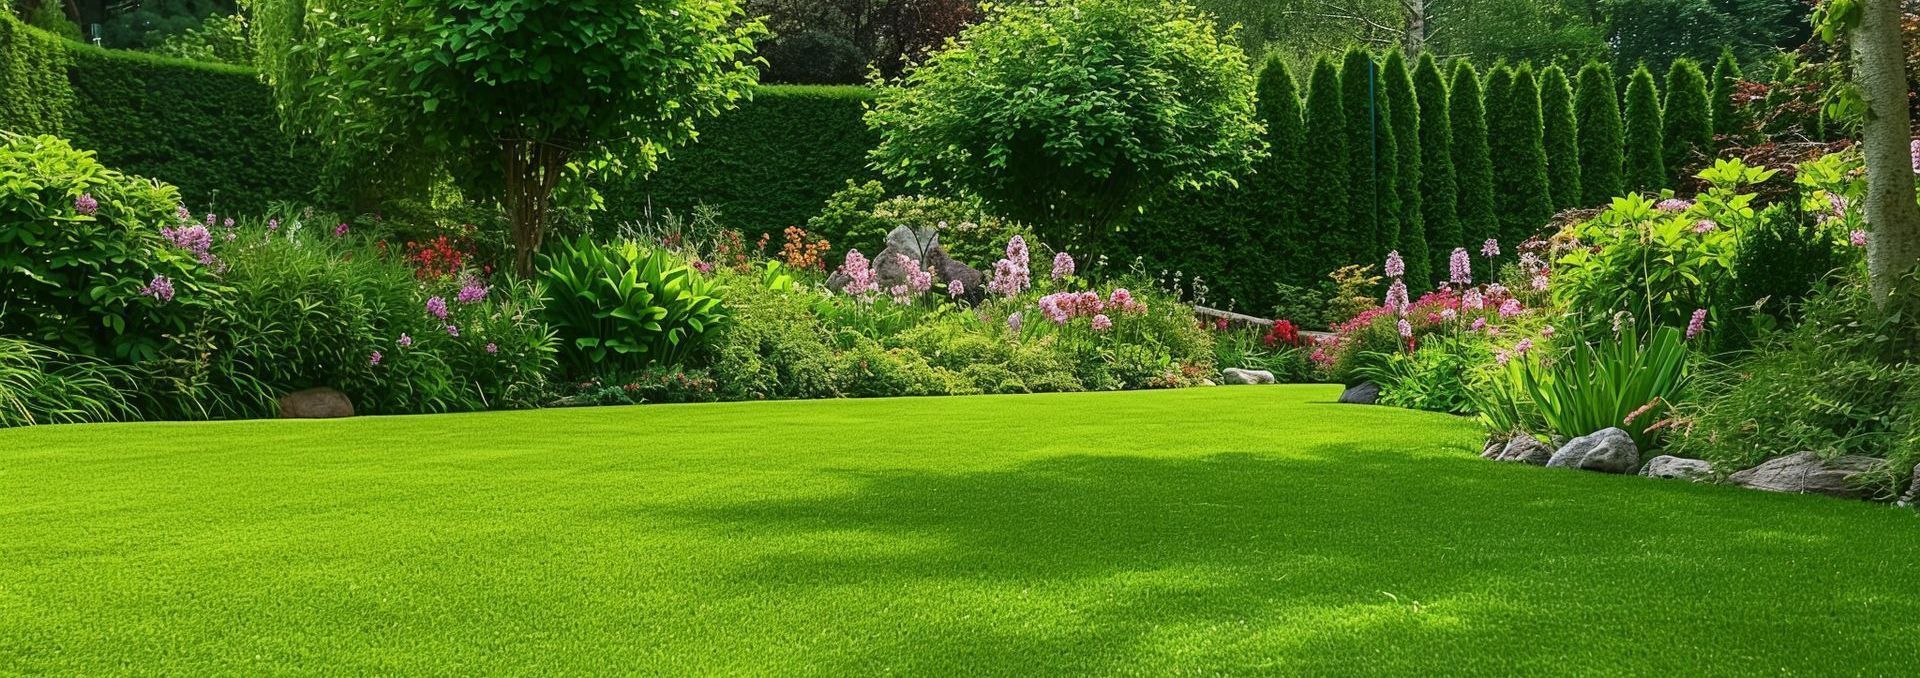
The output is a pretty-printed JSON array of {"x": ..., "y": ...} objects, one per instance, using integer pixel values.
[
  {"x": 918, "y": 279},
  {"x": 1479, "y": 324},
  {"x": 703, "y": 267},
  {"x": 1472, "y": 300},
  {"x": 1522, "y": 347},
  {"x": 1010, "y": 274},
  {"x": 1449, "y": 314},
  {"x": 956, "y": 289},
  {"x": 85, "y": 204},
  {"x": 340, "y": 230},
  {"x": 374, "y": 359},
  {"x": 1531, "y": 261},
  {"x": 273, "y": 224},
  {"x": 437, "y": 307},
  {"x": 1705, "y": 226},
  {"x": 1406, "y": 328},
  {"x": 859, "y": 274},
  {"x": 1546, "y": 332},
  {"x": 1102, "y": 323},
  {"x": 1397, "y": 297},
  {"x": 493, "y": 347},
  {"x": 1698, "y": 324},
  {"x": 1674, "y": 205},
  {"x": 1502, "y": 357},
  {"x": 1858, "y": 238},
  {"x": 1490, "y": 248},
  {"x": 1540, "y": 283},
  {"x": 453, "y": 330},
  {"x": 473, "y": 291},
  {"x": 160, "y": 288},
  {"x": 1396, "y": 266},
  {"x": 1459, "y": 269},
  {"x": 405, "y": 340},
  {"x": 1123, "y": 300},
  {"x": 1510, "y": 308},
  {"x": 1062, "y": 266}
]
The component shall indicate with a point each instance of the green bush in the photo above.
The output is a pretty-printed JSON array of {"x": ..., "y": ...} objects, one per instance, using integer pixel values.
[
  {"x": 620, "y": 307},
  {"x": 1472, "y": 160},
  {"x": 1434, "y": 377},
  {"x": 218, "y": 40},
  {"x": 1597, "y": 113},
  {"x": 1620, "y": 382},
  {"x": 1561, "y": 135},
  {"x": 772, "y": 347},
  {"x": 1687, "y": 117},
  {"x": 33, "y": 75},
  {"x": 860, "y": 216},
  {"x": 1439, "y": 182}
]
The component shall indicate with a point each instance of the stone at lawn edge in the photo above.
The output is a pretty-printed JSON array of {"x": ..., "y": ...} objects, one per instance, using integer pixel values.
[
  {"x": 1495, "y": 445},
  {"x": 1676, "y": 468},
  {"x": 1607, "y": 451},
  {"x": 1526, "y": 449},
  {"x": 1912, "y": 497},
  {"x": 1807, "y": 473},
  {"x": 1363, "y": 393},
  {"x": 315, "y": 403},
  {"x": 1235, "y": 375}
]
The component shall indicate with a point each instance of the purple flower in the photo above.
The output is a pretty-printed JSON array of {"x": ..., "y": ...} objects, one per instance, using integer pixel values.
[
  {"x": 228, "y": 223},
  {"x": 1396, "y": 267},
  {"x": 1490, "y": 248},
  {"x": 1540, "y": 283},
  {"x": 85, "y": 204},
  {"x": 1522, "y": 347},
  {"x": 493, "y": 347},
  {"x": 196, "y": 240},
  {"x": 160, "y": 288},
  {"x": 1913, "y": 149},
  {"x": 375, "y": 358},
  {"x": 1449, "y": 314},
  {"x": 1673, "y": 205},
  {"x": 181, "y": 213},
  {"x": 210, "y": 220},
  {"x": 273, "y": 224},
  {"x": 1062, "y": 266},
  {"x": 1459, "y": 269},
  {"x": 1858, "y": 238},
  {"x": 340, "y": 230},
  {"x": 703, "y": 267},
  {"x": 1013, "y": 322},
  {"x": 956, "y": 289},
  {"x": 453, "y": 330},
  {"x": 405, "y": 340},
  {"x": 1479, "y": 324},
  {"x": 1406, "y": 328},
  {"x": 1705, "y": 226},
  {"x": 1546, "y": 332},
  {"x": 1472, "y": 300},
  {"x": 1102, "y": 323},
  {"x": 1510, "y": 308},
  {"x": 1397, "y": 297},
  {"x": 859, "y": 274},
  {"x": 437, "y": 307},
  {"x": 1010, "y": 275},
  {"x": 1698, "y": 324},
  {"x": 471, "y": 291},
  {"x": 1502, "y": 357}
]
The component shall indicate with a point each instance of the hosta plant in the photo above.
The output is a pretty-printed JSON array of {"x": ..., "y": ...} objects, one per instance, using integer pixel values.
[{"x": 620, "y": 307}]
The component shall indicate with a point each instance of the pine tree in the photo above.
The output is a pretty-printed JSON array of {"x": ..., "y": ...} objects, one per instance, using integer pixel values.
[
  {"x": 1472, "y": 160},
  {"x": 1359, "y": 82},
  {"x": 1515, "y": 137},
  {"x": 1412, "y": 243},
  {"x": 1687, "y": 117},
  {"x": 1279, "y": 188},
  {"x": 1561, "y": 136},
  {"x": 1328, "y": 207},
  {"x": 1438, "y": 189},
  {"x": 1598, "y": 113},
  {"x": 1645, "y": 149},
  {"x": 1727, "y": 120}
]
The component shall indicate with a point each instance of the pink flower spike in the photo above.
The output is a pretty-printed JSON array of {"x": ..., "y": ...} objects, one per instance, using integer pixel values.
[
  {"x": 1698, "y": 324},
  {"x": 1858, "y": 238},
  {"x": 1396, "y": 266}
]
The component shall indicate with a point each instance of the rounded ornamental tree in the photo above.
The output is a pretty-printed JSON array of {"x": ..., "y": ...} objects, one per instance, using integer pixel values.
[{"x": 1070, "y": 115}]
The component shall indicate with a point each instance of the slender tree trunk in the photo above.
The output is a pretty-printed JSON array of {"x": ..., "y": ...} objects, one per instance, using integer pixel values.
[
  {"x": 1880, "y": 69},
  {"x": 532, "y": 171},
  {"x": 1416, "y": 37}
]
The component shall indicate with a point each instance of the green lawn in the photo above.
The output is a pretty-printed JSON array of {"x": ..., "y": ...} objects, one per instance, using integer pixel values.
[{"x": 1206, "y": 531}]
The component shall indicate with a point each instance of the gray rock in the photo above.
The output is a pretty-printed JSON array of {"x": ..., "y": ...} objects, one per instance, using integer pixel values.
[
  {"x": 912, "y": 243},
  {"x": 1207, "y": 382},
  {"x": 1607, "y": 451},
  {"x": 1912, "y": 497},
  {"x": 1526, "y": 449},
  {"x": 315, "y": 403},
  {"x": 1235, "y": 375},
  {"x": 1363, "y": 393},
  {"x": 947, "y": 270},
  {"x": 1807, "y": 473},
  {"x": 1495, "y": 445},
  {"x": 1676, "y": 468}
]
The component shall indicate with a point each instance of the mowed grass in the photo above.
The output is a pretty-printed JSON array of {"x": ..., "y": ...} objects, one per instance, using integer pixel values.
[{"x": 1206, "y": 531}]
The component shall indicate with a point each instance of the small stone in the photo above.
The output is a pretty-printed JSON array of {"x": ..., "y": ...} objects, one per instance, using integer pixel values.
[
  {"x": 1607, "y": 451},
  {"x": 1526, "y": 449},
  {"x": 1676, "y": 468},
  {"x": 1363, "y": 393},
  {"x": 1235, "y": 375},
  {"x": 1912, "y": 497},
  {"x": 1807, "y": 473},
  {"x": 1495, "y": 445},
  {"x": 315, "y": 403}
]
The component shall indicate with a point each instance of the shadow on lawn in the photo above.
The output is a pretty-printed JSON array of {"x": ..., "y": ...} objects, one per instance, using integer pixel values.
[{"x": 1316, "y": 560}]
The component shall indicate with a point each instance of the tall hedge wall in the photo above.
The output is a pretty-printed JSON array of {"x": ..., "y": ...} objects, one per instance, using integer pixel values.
[
  {"x": 34, "y": 96},
  {"x": 767, "y": 165}
]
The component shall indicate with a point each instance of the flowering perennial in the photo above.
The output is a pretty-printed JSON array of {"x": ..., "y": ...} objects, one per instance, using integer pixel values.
[
  {"x": 85, "y": 204},
  {"x": 1459, "y": 269},
  {"x": 437, "y": 307},
  {"x": 1062, "y": 266},
  {"x": 160, "y": 288},
  {"x": 859, "y": 274},
  {"x": 1010, "y": 275}
]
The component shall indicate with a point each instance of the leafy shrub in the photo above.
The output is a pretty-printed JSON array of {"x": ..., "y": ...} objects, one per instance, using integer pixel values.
[
  {"x": 39, "y": 385},
  {"x": 654, "y": 385},
  {"x": 33, "y": 73},
  {"x": 1781, "y": 260},
  {"x": 1435, "y": 377},
  {"x": 79, "y": 246},
  {"x": 772, "y": 345},
  {"x": 48, "y": 16},
  {"x": 860, "y": 216},
  {"x": 1623, "y": 382},
  {"x": 220, "y": 39},
  {"x": 620, "y": 307}
]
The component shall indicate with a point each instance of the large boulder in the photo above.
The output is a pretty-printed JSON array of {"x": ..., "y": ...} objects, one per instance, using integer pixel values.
[
  {"x": 948, "y": 270},
  {"x": 1607, "y": 451},
  {"x": 1235, "y": 375},
  {"x": 1526, "y": 449},
  {"x": 315, "y": 403},
  {"x": 1363, "y": 393},
  {"x": 1676, "y": 468},
  {"x": 921, "y": 247},
  {"x": 1807, "y": 473}
]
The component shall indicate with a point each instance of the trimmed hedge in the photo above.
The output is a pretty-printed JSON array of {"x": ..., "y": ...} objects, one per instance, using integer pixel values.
[
  {"x": 767, "y": 165},
  {"x": 34, "y": 95}
]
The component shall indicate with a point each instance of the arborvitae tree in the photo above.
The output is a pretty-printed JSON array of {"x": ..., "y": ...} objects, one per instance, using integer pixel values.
[
  {"x": 1412, "y": 243},
  {"x": 1597, "y": 109},
  {"x": 1360, "y": 83},
  {"x": 1646, "y": 166},
  {"x": 1328, "y": 207},
  {"x": 1386, "y": 185},
  {"x": 1514, "y": 132},
  {"x": 1279, "y": 189},
  {"x": 1688, "y": 119},
  {"x": 1472, "y": 161},
  {"x": 1438, "y": 188},
  {"x": 1727, "y": 121},
  {"x": 1561, "y": 136}
]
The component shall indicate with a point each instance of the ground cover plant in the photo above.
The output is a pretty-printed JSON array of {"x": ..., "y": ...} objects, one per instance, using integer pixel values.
[{"x": 1002, "y": 534}]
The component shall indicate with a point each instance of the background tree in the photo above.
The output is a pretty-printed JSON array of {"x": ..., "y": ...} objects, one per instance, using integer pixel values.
[
  {"x": 1472, "y": 159},
  {"x": 1438, "y": 187},
  {"x": 1873, "y": 29},
  {"x": 1597, "y": 112},
  {"x": 1280, "y": 186},
  {"x": 1646, "y": 167},
  {"x": 1407, "y": 171},
  {"x": 539, "y": 89},
  {"x": 1360, "y": 87},
  {"x": 1158, "y": 99},
  {"x": 1561, "y": 136},
  {"x": 1658, "y": 31},
  {"x": 1727, "y": 122},
  {"x": 1687, "y": 119},
  {"x": 1329, "y": 208},
  {"x": 1521, "y": 189},
  {"x": 834, "y": 41}
]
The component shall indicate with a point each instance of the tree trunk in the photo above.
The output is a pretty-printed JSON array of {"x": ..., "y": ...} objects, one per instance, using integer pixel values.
[
  {"x": 1416, "y": 36},
  {"x": 532, "y": 171},
  {"x": 1880, "y": 69}
]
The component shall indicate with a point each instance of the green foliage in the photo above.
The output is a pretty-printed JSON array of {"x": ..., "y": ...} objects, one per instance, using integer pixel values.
[
  {"x": 860, "y": 216},
  {"x": 1597, "y": 114},
  {"x": 1515, "y": 133},
  {"x": 1279, "y": 194},
  {"x": 1374, "y": 225},
  {"x": 1645, "y": 155},
  {"x": 1688, "y": 132},
  {"x": 1622, "y": 382},
  {"x": 39, "y": 385},
  {"x": 1660, "y": 31},
  {"x": 1433, "y": 377},
  {"x": 1561, "y": 137},
  {"x": 73, "y": 280},
  {"x": 1331, "y": 210},
  {"x": 218, "y": 40},
  {"x": 33, "y": 74},
  {"x": 773, "y": 345},
  {"x": 48, "y": 15},
  {"x": 1472, "y": 159},
  {"x": 1405, "y": 110},
  {"x": 1439, "y": 187},
  {"x": 768, "y": 164},
  {"x": 1728, "y": 119},
  {"x": 1782, "y": 259},
  {"x": 147, "y": 23},
  {"x": 1067, "y": 116},
  {"x": 621, "y": 307}
]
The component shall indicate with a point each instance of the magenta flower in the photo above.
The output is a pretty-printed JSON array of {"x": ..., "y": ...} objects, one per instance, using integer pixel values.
[
  {"x": 1396, "y": 266},
  {"x": 1123, "y": 300},
  {"x": 180, "y": 212},
  {"x": 471, "y": 291},
  {"x": 85, "y": 204},
  {"x": 1510, "y": 308},
  {"x": 1490, "y": 248},
  {"x": 1397, "y": 297},
  {"x": 196, "y": 240},
  {"x": 1102, "y": 323},
  {"x": 703, "y": 267},
  {"x": 1698, "y": 324},
  {"x": 859, "y": 274},
  {"x": 405, "y": 340},
  {"x": 1522, "y": 347},
  {"x": 375, "y": 358},
  {"x": 1062, "y": 266},
  {"x": 1479, "y": 324},
  {"x": 1858, "y": 238},
  {"x": 160, "y": 288},
  {"x": 1459, "y": 269},
  {"x": 437, "y": 307},
  {"x": 340, "y": 230},
  {"x": 493, "y": 347},
  {"x": 453, "y": 330}
]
